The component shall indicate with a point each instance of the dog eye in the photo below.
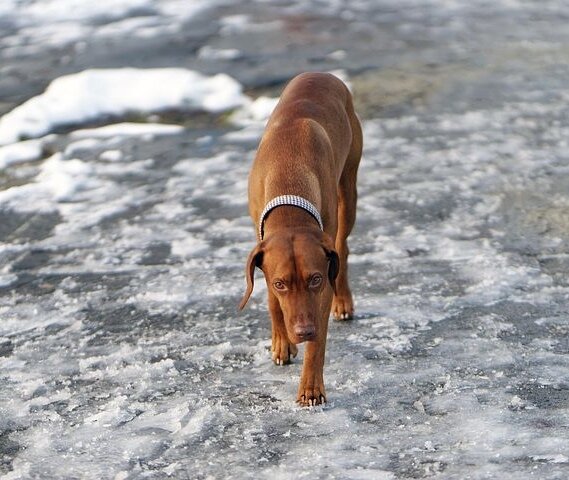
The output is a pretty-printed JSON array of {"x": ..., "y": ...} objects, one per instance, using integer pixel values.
[
  {"x": 315, "y": 281},
  {"x": 279, "y": 285}
]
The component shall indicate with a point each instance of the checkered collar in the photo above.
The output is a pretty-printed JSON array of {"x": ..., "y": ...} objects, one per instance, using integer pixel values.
[{"x": 291, "y": 200}]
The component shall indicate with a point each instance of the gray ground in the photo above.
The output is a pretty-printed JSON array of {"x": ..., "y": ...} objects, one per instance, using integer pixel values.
[{"x": 122, "y": 354}]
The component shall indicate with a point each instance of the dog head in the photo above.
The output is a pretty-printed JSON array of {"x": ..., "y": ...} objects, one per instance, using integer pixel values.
[{"x": 300, "y": 269}]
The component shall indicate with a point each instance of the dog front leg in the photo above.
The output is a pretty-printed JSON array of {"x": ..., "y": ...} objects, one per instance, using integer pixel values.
[
  {"x": 311, "y": 389},
  {"x": 281, "y": 348}
]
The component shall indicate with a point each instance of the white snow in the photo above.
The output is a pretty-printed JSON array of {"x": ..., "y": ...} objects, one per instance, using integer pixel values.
[
  {"x": 189, "y": 247},
  {"x": 71, "y": 23},
  {"x": 126, "y": 129},
  {"x": 138, "y": 27},
  {"x": 207, "y": 52},
  {"x": 77, "y": 10},
  {"x": 88, "y": 95},
  {"x": 241, "y": 23},
  {"x": 255, "y": 112},
  {"x": 111, "y": 155},
  {"x": 65, "y": 178},
  {"x": 19, "y": 152}
]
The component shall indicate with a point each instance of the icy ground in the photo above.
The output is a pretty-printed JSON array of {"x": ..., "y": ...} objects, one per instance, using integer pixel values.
[{"x": 122, "y": 354}]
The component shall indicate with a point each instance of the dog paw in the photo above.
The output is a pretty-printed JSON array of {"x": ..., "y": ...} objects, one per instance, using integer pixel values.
[
  {"x": 343, "y": 307},
  {"x": 282, "y": 350},
  {"x": 311, "y": 396}
]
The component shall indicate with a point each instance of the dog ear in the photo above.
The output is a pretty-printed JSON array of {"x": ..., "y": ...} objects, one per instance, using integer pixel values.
[
  {"x": 333, "y": 260},
  {"x": 255, "y": 260},
  {"x": 333, "y": 268}
]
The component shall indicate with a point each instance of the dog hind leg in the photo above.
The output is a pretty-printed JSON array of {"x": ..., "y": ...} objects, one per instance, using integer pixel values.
[{"x": 343, "y": 305}]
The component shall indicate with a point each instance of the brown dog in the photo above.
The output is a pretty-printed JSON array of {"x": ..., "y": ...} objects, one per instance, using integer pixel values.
[{"x": 302, "y": 198}]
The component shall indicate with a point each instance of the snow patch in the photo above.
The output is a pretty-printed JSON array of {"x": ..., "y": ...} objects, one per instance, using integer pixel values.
[
  {"x": 126, "y": 129},
  {"x": 254, "y": 112},
  {"x": 65, "y": 178},
  {"x": 111, "y": 156},
  {"x": 235, "y": 24},
  {"x": 20, "y": 152},
  {"x": 78, "y": 10},
  {"x": 207, "y": 52},
  {"x": 88, "y": 95},
  {"x": 189, "y": 247}
]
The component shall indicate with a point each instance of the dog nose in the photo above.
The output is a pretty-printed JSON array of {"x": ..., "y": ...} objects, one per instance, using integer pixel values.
[{"x": 305, "y": 332}]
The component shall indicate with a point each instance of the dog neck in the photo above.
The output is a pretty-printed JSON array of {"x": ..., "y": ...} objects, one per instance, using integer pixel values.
[{"x": 289, "y": 210}]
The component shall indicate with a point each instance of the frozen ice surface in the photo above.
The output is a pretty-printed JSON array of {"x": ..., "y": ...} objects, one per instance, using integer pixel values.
[{"x": 122, "y": 354}]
